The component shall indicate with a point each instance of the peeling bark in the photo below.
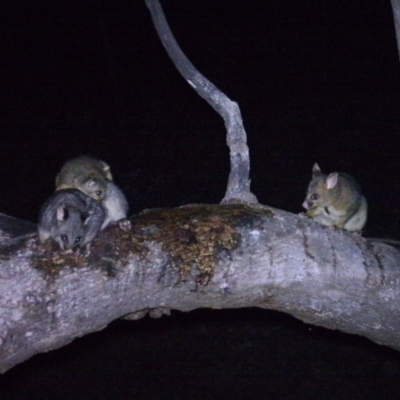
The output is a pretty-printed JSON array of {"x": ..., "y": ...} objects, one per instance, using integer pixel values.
[{"x": 268, "y": 258}]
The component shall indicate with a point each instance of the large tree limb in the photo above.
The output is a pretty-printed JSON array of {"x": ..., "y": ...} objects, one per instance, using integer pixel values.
[{"x": 193, "y": 257}]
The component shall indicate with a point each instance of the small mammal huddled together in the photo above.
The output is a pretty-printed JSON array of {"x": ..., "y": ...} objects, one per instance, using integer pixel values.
[
  {"x": 86, "y": 200},
  {"x": 335, "y": 200}
]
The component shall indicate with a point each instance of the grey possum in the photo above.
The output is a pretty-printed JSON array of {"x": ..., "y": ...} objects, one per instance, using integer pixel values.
[
  {"x": 93, "y": 177},
  {"x": 336, "y": 200},
  {"x": 70, "y": 218},
  {"x": 87, "y": 174}
]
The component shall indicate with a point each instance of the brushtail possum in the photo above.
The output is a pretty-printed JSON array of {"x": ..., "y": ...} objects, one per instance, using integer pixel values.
[
  {"x": 86, "y": 174},
  {"x": 335, "y": 200},
  {"x": 71, "y": 219},
  {"x": 93, "y": 177}
]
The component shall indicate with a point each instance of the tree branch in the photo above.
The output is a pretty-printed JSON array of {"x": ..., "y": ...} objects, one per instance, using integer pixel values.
[
  {"x": 396, "y": 17},
  {"x": 238, "y": 189},
  {"x": 225, "y": 256}
]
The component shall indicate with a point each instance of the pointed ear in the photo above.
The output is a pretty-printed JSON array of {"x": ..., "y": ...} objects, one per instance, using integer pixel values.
[
  {"x": 62, "y": 213},
  {"x": 316, "y": 171},
  {"x": 107, "y": 171},
  {"x": 331, "y": 180}
]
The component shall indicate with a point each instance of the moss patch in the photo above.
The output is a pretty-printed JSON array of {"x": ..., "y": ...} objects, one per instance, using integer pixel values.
[{"x": 192, "y": 235}]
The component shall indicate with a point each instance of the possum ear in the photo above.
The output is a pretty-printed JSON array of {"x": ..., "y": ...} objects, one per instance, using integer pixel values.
[
  {"x": 107, "y": 171},
  {"x": 331, "y": 180},
  {"x": 62, "y": 213},
  {"x": 316, "y": 171}
]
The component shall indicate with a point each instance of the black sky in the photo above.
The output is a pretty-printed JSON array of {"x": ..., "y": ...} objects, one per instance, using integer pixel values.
[{"x": 316, "y": 81}]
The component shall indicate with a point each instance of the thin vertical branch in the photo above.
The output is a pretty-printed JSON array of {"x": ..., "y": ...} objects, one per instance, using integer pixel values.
[
  {"x": 396, "y": 16},
  {"x": 238, "y": 189}
]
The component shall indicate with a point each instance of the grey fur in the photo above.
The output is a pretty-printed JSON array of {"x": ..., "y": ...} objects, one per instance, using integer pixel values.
[
  {"x": 115, "y": 204},
  {"x": 336, "y": 200},
  {"x": 70, "y": 218},
  {"x": 88, "y": 174}
]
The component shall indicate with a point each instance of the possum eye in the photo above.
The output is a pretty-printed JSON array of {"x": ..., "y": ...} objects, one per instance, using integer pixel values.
[
  {"x": 64, "y": 238},
  {"x": 314, "y": 196},
  {"x": 78, "y": 239}
]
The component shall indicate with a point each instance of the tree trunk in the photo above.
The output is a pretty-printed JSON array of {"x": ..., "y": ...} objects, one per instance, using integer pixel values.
[{"x": 214, "y": 256}]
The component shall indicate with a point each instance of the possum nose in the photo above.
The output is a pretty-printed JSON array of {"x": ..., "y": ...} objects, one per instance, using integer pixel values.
[{"x": 306, "y": 205}]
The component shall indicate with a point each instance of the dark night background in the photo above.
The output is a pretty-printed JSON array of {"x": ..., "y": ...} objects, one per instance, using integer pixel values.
[{"x": 316, "y": 81}]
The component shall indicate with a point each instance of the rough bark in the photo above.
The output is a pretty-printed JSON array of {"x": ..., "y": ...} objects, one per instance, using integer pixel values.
[
  {"x": 222, "y": 256},
  {"x": 238, "y": 189}
]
